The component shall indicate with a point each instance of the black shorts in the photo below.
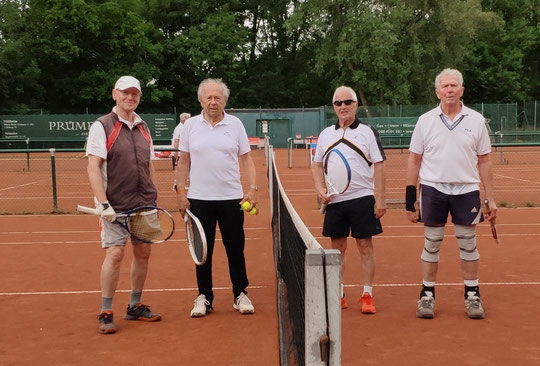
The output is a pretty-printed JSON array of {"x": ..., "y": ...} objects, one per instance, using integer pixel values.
[
  {"x": 435, "y": 206},
  {"x": 356, "y": 216}
]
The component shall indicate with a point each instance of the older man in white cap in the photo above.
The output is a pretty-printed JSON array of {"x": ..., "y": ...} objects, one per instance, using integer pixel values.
[{"x": 122, "y": 177}]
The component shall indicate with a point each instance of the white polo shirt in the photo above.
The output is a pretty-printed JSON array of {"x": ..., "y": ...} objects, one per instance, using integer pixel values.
[
  {"x": 450, "y": 149},
  {"x": 361, "y": 173},
  {"x": 177, "y": 132},
  {"x": 214, "y": 172}
]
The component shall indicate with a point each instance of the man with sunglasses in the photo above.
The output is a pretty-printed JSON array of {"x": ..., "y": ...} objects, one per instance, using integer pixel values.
[{"x": 359, "y": 208}]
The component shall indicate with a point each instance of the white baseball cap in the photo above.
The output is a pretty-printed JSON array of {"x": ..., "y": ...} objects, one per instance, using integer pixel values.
[{"x": 126, "y": 82}]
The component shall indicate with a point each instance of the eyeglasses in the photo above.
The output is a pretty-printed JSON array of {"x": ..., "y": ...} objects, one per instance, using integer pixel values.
[{"x": 338, "y": 103}]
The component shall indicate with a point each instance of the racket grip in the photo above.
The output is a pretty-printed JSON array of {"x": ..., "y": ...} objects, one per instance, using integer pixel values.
[
  {"x": 88, "y": 210},
  {"x": 323, "y": 208}
]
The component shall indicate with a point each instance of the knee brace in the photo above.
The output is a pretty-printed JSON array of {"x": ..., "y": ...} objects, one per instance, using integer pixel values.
[
  {"x": 466, "y": 238},
  {"x": 433, "y": 237}
]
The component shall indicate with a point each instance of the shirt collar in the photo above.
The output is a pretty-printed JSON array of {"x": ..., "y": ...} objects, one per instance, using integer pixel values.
[
  {"x": 136, "y": 118},
  {"x": 353, "y": 125},
  {"x": 463, "y": 111},
  {"x": 224, "y": 121}
]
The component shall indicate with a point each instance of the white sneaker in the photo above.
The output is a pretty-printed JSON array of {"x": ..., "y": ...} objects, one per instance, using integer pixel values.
[
  {"x": 243, "y": 304},
  {"x": 201, "y": 307}
]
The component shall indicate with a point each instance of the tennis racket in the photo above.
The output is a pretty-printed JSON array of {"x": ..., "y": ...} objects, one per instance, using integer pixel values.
[
  {"x": 337, "y": 174},
  {"x": 148, "y": 224},
  {"x": 196, "y": 238},
  {"x": 492, "y": 223}
]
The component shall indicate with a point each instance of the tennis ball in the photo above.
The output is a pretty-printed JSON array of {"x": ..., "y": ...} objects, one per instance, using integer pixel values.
[
  {"x": 246, "y": 206},
  {"x": 254, "y": 211}
]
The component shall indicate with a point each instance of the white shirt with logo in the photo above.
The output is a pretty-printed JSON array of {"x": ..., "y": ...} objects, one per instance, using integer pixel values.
[{"x": 450, "y": 149}]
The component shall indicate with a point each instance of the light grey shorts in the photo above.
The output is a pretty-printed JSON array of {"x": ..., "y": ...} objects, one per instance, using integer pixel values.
[{"x": 113, "y": 234}]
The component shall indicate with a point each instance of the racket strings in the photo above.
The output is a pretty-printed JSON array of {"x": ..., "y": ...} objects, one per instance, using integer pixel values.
[
  {"x": 195, "y": 239},
  {"x": 152, "y": 226}
]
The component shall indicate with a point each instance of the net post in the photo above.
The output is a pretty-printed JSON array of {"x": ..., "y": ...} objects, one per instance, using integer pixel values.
[
  {"x": 289, "y": 151},
  {"x": 53, "y": 177},
  {"x": 333, "y": 301},
  {"x": 315, "y": 306}
]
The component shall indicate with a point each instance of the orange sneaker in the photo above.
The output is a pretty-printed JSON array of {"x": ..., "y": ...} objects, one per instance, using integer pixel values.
[
  {"x": 344, "y": 303},
  {"x": 367, "y": 304}
]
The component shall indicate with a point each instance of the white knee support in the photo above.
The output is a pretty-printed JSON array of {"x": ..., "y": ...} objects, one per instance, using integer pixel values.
[
  {"x": 466, "y": 238},
  {"x": 433, "y": 237}
]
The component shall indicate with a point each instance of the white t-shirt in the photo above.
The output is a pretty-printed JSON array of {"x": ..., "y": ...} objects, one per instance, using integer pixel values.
[
  {"x": 361, "y": 173},
  {"x": 214, "y": 172},
  {"x": 96, "y": 143},
  {"x": 450, "y": 149},
  {"x": 177, "y": 132}
]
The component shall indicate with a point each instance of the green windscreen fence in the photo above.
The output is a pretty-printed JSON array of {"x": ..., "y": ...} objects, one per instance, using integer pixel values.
[{"x": 66, "y": 130}]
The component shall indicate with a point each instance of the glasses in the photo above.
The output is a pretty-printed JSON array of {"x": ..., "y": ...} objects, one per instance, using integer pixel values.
[{"x": 338, "y": 103}]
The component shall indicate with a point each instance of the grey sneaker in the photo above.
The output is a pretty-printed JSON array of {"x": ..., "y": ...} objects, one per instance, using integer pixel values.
[
  {"x": 106, "y": 322},
  {"x": 141, "y": 312},
  {"x": 426, "y": 307},
  {"x": 474, "y": 307},
  {"x": 201, "y": 306},
  {"x": 243, "y": 304}
]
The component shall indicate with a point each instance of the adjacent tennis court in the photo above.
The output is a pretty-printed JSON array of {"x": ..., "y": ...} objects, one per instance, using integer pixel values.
[{"x": 50, "y": 293}]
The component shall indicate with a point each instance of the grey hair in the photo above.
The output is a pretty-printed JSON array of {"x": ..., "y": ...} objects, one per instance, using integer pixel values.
[
  {"x": 347, "y": 88},
  {"x": 226, "y": 91},
  {"x": 184, "y": 116},
  {"x": 448, "y": 72}
]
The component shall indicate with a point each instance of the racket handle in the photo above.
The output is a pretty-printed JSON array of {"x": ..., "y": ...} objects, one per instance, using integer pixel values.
[
  {"x": 88, "y": 210},
  {"x": 323, "y": 208}
]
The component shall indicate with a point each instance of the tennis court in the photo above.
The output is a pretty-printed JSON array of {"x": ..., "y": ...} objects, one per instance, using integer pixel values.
[
  {"x": 509, "y": 276},
  {"x": 50, "y": 293}
]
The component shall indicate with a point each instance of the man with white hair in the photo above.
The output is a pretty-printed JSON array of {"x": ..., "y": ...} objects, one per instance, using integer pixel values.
[
  {"x": 449, "y": 154},
  {"x": 359, "y": 208},
  {"x": 213, "y": 147}
]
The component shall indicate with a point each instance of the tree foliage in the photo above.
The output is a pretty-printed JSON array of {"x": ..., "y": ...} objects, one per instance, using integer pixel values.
[{"x": 64, "y": 55}]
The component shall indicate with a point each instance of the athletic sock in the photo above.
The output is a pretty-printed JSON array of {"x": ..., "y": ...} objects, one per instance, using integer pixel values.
[
  {"x": 427, "y": 291},
  {"x": 369, "y": 290},
  {"x": 135, "y": 298},
  {"x": 106, "y": 303},
  {"x": 471, "y": 291}
]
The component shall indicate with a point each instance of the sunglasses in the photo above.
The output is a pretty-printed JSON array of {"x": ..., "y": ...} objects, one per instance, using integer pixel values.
[{"x": 338, "y": 103}]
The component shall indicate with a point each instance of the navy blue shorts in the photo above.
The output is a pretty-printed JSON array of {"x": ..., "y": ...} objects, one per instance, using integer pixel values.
[
  {"x": 356, "y": 216},
  {"x": 435, "y": 206}
]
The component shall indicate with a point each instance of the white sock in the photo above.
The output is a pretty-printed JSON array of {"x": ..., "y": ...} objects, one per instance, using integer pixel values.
[
  {"x": 428, "y": 283},
  {"x": 368, "y": 289},
  {"x": 471, "y": 283}
]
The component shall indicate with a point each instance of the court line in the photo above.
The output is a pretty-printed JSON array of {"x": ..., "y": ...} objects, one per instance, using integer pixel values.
[
  {"x": 525, "y": 283},
  {"x": 83, "y": 292},
  {"x": 21, "y": 185},
  {"x": 98, "y": 241},
  {"x": 521, "y": 180}
]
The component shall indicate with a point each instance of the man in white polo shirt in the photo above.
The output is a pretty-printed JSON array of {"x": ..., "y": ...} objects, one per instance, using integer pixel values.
[
  {"x": 449, "y": 152},
  {"x": 212, "y": 147},
  {"x": 359, "y": 208}
]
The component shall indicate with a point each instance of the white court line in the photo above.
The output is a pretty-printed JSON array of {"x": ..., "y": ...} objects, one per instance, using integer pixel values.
[
  {"x": 82, "y": 292},
  {"x": 93, "y": 242},
  {"x": 521, "y": 180},
  {"x": 525, "y": 283},
  {"x": 21, "y": 185}
]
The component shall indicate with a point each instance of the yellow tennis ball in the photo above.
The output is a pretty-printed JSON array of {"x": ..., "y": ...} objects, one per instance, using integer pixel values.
[
  {"x": 246, "y": 205},
  {"x": 254, "y": 211}
]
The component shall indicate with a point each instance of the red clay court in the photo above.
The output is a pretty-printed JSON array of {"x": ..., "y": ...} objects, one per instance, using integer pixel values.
[{"x": 50, "y": 294}]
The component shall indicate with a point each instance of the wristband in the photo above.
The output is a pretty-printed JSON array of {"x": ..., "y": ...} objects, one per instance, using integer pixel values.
[{"x": 410, "y": 198}]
